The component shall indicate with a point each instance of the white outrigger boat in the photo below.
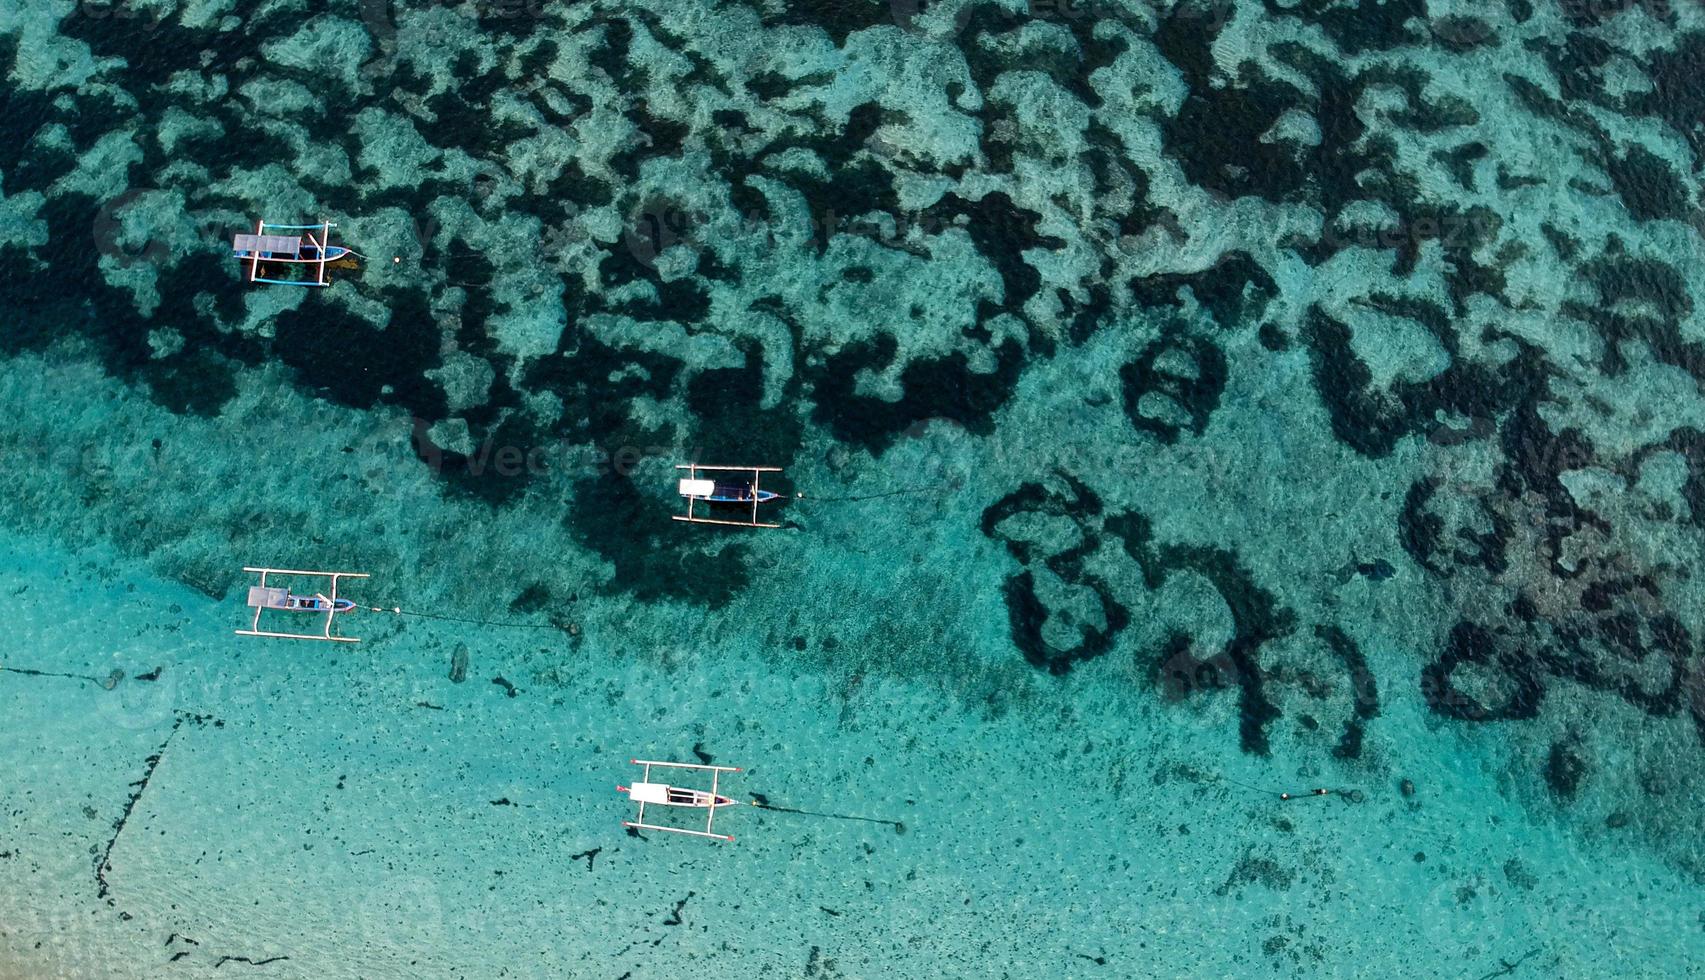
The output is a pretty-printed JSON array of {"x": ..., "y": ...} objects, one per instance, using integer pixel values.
[
  {"x": 662, "y": 794},
  {"x": 263, "y": 597},
  {"x": 263, "y": 249},
  {"x": 728, "y": 491}
]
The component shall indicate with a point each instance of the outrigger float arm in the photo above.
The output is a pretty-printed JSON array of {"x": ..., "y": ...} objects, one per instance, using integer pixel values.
[
  {"x": 324, "y": 244},
  {"x": 331, "y": 613},
  {"x": 254, "y": 260},
  {"x": 638, "y": 823},
  {"x": 331, "y": 609},
  {"x": 693, "y": 473}
]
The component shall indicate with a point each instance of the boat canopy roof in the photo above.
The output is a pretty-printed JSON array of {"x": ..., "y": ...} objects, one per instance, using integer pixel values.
[
  {"x": 649, "y": 793},
  {"x": 275, "y": 244},
  {"x": 267, "y": 596},
  {"x": 698, "y": 488}
]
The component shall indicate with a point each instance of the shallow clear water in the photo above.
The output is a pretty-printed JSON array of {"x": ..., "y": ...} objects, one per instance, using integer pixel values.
[{"x": 1243, "y": 464}]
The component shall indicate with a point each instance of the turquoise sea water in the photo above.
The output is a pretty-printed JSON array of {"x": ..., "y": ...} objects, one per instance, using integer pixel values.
[{"x": 1195, "y": 407}]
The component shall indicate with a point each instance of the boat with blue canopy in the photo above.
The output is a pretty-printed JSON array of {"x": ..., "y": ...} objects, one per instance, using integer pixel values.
[{"x": 287, "y": 246}]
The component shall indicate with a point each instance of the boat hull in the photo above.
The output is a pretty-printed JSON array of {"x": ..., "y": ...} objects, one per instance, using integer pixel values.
[
  {"x": 314, "y": 604},
  {"x": 659, "y": 794},
  {"x": 737, "y": 495},
  {"x": 307, "y": 256}
]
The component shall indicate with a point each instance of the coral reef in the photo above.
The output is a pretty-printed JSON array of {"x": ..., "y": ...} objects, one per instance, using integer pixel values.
[{"x": 1278, "y": 336}]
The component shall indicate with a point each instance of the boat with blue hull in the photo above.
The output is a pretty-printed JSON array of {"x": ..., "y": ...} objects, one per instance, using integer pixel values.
[
  {"x": 267, "y": 248},
  {"x": 731, "y": 486}
]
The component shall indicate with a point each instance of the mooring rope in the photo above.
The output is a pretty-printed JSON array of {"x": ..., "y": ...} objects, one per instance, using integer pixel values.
[
  {"x": 462, "y": 619},
  {"x": 870, "y": 496},
  {"x": 762, "y": 804},
  {"x": 1349, "y": 795},
  {"x": 53, "y": 673}
]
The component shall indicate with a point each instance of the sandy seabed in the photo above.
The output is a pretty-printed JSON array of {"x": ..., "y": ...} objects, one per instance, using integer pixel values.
[{"x": 352, "y": 812}]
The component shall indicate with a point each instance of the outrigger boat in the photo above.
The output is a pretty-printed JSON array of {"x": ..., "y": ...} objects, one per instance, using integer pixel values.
[
  {"x": 263, "y": 249},
  {"x": 263, "y": 597},
  {"x": 742, "y": 490},
  {"x": 662, "y": 794}
]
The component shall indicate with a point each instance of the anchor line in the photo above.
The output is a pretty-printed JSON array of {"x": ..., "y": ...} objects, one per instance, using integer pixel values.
[
  {"x": 870, "y": 496},
  {"x": 1348, "y": 795},
  {"x": 397, "y": 610},
  {"x": 49, "y": 673},
  {"x": 831, "y": 816}
]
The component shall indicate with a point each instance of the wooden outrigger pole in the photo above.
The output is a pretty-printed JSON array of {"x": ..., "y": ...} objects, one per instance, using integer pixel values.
[
  {"x": 323, "y": 244},
  {"x": 263, "y": 597},
  {"x": 254, "y": 261}
]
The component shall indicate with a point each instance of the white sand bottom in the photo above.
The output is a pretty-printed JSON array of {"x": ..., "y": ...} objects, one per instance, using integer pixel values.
[{"x": 316, "y": 812}]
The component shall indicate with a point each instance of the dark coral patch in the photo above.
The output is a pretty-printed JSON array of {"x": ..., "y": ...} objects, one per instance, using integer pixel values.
[
  {"x": 1056, "y": 527},
  {"x": 1174, "y": 386},
  {"x": 346, "y": 360},
  {"x": 1235, "y": 290},
  {"x": 837, "y": 18},
  {"x": 728, "y": 412},
  {"x": 628, "y": 526},
  {"x": 1364, "y": 690},
  {"x": 504, "y": 461},
  {"x": 1065, "y": 499},
  {"x": 1002, "y": 232},
  {"x": 1564, "y": 770},
  {"x": 1257, "y": 617},
  {"x": 1358, "y": 27},
  {"x": 1028, "y": 615},
  {"x": 1648, "y": 186},
  {"x": 1676, "y": 96},
  {"x": 598, "y": 385},
  {"x": 944, "y": 387},
  {"x": 1370, "y": 420},
  {"x": 1640, "y": 299},
  {"x": 196, "y": 382},
  {"x": 1512, "y": 668}
]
